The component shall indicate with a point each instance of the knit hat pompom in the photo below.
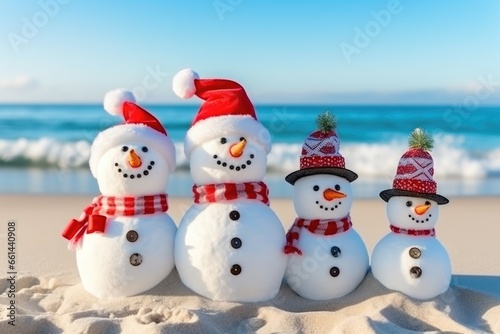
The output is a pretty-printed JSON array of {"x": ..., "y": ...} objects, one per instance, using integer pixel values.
[
  {"x": 326, "y": 122},
  {"x": 420, "y": 139},
  {"x": 183, "y": 83},
  {"x": 114, "y": 100}
]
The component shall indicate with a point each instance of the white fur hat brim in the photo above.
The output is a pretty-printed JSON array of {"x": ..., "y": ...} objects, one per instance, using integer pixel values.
[
  {"x": 129, "y": 133},
  {"x": 221, "y": 126}
]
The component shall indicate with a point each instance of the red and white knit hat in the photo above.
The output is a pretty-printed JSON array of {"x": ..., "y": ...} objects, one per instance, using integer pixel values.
[
  {"x": 139, "y": 126},
  {"x": 226, "y": 110},
  {"x": 415, "y": 173},
  {"x": 321, "y": 154}
]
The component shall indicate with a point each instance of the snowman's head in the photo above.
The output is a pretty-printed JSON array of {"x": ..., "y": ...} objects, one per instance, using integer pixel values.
[
  {"x": 134, "y": 158},
  {"x": 229, "y": 158},
  {"x": 225, "y": 143},
  {"x": 412, "y": 212},
  {"x": 322, "y": 196},
  {"x": 132, "y": 169}
]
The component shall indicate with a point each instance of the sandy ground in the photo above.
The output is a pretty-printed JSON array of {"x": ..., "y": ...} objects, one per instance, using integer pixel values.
[{"x": 50, "y": 298}]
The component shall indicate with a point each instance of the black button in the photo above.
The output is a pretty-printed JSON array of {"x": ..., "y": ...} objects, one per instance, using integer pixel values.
[
  {"x": 236, "y": 243},
  {"x": 234, "y": 215},
  {"x": 135, "y": 259},
  {"x": 335, "y": 251},
  {"x": 335, "y": 271},
  {"x": 415, "y": 252},
  {"x": 236, "y": 269},
  {"x": 415, "y": 272},
  {"x": 132, "y": 236}
]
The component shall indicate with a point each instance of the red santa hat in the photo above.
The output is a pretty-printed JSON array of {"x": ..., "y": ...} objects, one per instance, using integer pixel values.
[
  {"x": 415, "y": 173},
  {"x": 226, "y": 110},
  {"x": 321, "y": 154},
  {"x": 139, "y": 127}
]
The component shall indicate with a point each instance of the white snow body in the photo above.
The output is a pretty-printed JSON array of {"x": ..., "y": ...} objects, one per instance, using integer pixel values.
[
  {"x": 392, "y": 263},
  {"x": 309, "y": 274},
  {"x": 427, "y": 273},
  {"x": 104, "y": 259},
  {"x": 231, "y": 251}
]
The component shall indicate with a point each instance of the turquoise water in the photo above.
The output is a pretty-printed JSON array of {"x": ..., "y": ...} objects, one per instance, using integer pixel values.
[
  {"x": 45, "y": 149},
  {"x": 288, "y": 124}
]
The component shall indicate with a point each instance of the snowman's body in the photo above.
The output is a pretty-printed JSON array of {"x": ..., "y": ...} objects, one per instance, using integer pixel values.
[
  {"x": 133, "y": 255},
  {"x": 396, "y": 258},
  {"x": 417, "y": 265},
  {"x": 231, "y": 251},
  {"x": 309, "y": 275},
  {"x": 135, "y": 251},
  {"x": 125, "y": 239},
  {"x": 331, "y": 266}
]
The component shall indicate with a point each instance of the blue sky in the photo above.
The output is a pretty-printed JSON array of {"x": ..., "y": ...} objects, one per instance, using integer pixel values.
[{"x": 428, "y": 52}]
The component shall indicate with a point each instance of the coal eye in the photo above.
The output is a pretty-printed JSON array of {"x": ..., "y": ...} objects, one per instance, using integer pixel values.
[
  {"x": 427, "y": 203},
  {"x": 125, "y": 148},
  {"x": 409, "y": 203},
  {"x": 242, "y": 138},
  {"x": 223, "y": 140},
  {"x": 316, "y": 188},
  {"x": 337, "y": 187},
  {"x": 144, "y": 149}
]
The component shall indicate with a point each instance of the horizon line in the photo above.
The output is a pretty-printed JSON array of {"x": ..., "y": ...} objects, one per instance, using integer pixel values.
[{"x": 263, "y": 104}]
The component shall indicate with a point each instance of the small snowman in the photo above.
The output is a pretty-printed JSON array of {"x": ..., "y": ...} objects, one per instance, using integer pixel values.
[
  {"x": 410, "y": 259},
  {"x": 125, "y": 239},
  {"x": 328, "y": 258},
  {"x": 229, "y": 246}
]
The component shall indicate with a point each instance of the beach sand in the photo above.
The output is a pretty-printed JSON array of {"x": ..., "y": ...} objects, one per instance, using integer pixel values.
[{"x": 50, "y": 297}]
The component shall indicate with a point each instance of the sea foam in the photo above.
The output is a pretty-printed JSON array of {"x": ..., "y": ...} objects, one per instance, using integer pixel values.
[{"x": 451, "y": 158}]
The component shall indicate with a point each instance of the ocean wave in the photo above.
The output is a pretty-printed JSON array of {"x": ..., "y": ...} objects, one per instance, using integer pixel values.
[
  {"x": 451, "y": 158},
  {"x": 43, "y": 153}
]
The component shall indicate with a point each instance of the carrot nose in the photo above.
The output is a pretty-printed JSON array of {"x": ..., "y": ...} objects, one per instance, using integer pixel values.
[
  {"x": 237, "y": 149},
  {"x": 421, "y": 209},
  {"x": 330, "y": 194},
  {"x": 134, "y": 160}
]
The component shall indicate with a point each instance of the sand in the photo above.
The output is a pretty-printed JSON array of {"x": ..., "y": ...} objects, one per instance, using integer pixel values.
[{"x": 51, "y": 299}]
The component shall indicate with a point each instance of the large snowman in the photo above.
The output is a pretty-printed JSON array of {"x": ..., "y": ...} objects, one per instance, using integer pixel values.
[
  {"x": 125, "y": 239},
  {"x": 410, "y": 259},
  {"x": 229, "y": 246},
  {"x": 328, "y": 258}
]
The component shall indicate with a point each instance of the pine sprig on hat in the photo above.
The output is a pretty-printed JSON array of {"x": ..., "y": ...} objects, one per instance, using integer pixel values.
[
  {"x": 326, "y": 122},
  {"x": 420, "y": 139}
]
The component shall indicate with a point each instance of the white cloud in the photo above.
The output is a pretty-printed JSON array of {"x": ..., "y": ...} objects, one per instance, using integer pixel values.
[{"x": 20, "y": 82}]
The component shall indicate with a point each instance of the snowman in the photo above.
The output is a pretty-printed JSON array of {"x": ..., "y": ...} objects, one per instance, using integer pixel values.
[
  {"x": 410, "y": 259},
  {"x": 229, "y": 245},
  {"x": 125, "y": 239},
  {"x": 328, "y": 258}
]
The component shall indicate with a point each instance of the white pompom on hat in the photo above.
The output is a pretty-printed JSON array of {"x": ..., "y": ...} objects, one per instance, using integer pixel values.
[
  {"x": 139, "y": 127},
  {"x": 226, "y": 110},
  {"x": 114, "y": 100},
  {"x": 183, "y": 83}
]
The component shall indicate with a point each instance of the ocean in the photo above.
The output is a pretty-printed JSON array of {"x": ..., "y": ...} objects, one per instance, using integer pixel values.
[{"x": 44, "y": 149}]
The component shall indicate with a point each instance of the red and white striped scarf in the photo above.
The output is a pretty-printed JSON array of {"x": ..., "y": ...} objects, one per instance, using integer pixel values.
[
  {"x": 219, "y": 192},
  {"x": 316, "y": 226},
  {"x": 430, "y": 233},
  {"x": 93, "y": 217}
]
